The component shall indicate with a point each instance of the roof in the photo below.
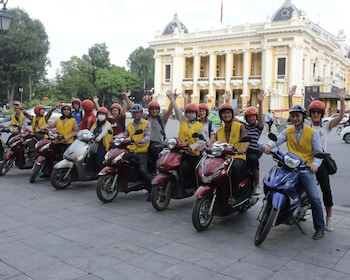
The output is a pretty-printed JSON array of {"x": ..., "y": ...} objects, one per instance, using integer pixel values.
[{"x": 175, "y": 26}]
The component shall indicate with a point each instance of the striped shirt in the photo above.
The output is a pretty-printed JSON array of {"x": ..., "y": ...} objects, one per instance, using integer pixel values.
[{"x": 254, "y": 132}]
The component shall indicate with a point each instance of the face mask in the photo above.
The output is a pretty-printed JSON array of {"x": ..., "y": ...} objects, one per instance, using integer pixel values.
[
  {"x": 191, "y": 116},
  {"x": 101, "y": 118}
]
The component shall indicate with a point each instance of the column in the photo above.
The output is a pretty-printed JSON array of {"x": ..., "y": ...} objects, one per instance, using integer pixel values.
[
  {"x": 245, "y": 73},
  {"x": 228, "y": 70},
  {"x": 212, "y": 70}
]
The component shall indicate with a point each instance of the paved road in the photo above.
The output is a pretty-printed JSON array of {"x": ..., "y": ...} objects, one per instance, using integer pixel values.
[{"x": 48, "y": 234}]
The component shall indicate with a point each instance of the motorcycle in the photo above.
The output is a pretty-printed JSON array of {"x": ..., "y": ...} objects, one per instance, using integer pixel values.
[
  {"x": 285, "y": 200},
  {"x": 215, "y": 196},
  {"x": 20, "y": 150},
  {"x": 169, "y": 182},
  {"x": 45, "y": 154},
  {"x": 121, "y": 173},
  {"x": 75, "y": 161}
]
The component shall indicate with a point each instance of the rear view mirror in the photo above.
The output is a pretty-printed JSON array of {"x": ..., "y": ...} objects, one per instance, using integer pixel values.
[
  {"x": 272, "y": 136},
  {"x": 138, "y": 131}
]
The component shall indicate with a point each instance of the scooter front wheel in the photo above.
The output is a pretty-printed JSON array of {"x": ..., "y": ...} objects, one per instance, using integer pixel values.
[
  {"x": 201, "y": 218},
  {"x": 6, "y": 166},
  {"x": 268, "y": 217},
  {"x": 161, "y": 195},
  {"x": 105, "y": 189},
  {"x": 36, "y": 170},
  {"x": 58, "y": 178}
]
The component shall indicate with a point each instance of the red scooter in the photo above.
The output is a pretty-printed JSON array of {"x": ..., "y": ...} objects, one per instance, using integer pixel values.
[
  {"x": 169, "y": 182},
  {"x": 20, "y": 150},
  {"x": 45, "y": 154},
  {"x": 121, "y": 173},
  {"x": 214, "y": 195}
]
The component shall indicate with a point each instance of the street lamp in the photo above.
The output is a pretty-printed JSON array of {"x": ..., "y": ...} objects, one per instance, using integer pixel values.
[
  {"x": 21, "y": 92},
  {"x": 5, "y": 17}
]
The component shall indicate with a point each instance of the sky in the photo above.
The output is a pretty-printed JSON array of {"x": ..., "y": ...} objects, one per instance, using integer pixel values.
[{"x": 74, "y": 26}]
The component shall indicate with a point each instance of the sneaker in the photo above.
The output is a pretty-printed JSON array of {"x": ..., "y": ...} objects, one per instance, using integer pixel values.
[
  {"x": 257, "y": 190},
  {"x": 318, "y": 234},
  {"x": 329, "y": 224}
]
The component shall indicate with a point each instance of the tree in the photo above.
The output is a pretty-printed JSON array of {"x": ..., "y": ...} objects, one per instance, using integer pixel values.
[
  {"x": 141, "y": 62},
  {"x": 23, "y": 55},
  {"x": 98, "y": 56}
]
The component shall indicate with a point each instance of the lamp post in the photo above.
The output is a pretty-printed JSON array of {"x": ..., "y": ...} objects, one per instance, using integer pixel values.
[
  {"x": 21, "y": 92},
  {"x": 5, "y": 17}
]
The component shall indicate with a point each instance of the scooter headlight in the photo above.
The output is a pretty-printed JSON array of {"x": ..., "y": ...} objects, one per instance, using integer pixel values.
[
  {"x": 291, "y": 162},
  {"x": 117, "y": 141},
  {"x": 85, "y": 135},
  {"x": 171, "y": 143}
]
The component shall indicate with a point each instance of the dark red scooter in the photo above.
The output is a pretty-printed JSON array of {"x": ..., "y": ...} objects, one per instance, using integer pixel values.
[{"x": 214, "y": 195}]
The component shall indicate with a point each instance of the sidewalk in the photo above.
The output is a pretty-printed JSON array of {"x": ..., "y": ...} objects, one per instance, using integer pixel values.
[{"x": 47, "y": 234}]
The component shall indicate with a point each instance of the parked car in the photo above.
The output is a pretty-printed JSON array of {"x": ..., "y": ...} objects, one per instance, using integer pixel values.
[
  {"x": 345, "y": 134},
  {"x": 55, "y": 114},
  {"x": 345, "y": 118}
]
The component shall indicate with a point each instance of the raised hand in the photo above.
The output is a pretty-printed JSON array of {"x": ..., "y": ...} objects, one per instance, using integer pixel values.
[
  {"x": 342, "y": 93},
  {"x": 261, "y": 95},
  {"x": 227, "y": 96},
  {"x": 292, "y": 90}
]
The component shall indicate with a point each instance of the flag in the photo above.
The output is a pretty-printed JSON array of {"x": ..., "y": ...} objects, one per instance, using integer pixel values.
[{"x": 221, "y": 11}]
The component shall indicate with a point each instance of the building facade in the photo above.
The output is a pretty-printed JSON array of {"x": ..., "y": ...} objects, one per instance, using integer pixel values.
[{"x": 287, "y": 49}]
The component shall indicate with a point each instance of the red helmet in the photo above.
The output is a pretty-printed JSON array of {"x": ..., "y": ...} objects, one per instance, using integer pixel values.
[
  {"x": 225, "y": 106},
  {"x": 192, "y": 107},
  {"x": 87, "y": 105},
  {"x": 153, "y": 104},
  {"x": 204, "y": 106},
  {"x": 65, "y": 106},
  {"x": 76, "y": 100},
  {"x": 317, "y": 105},
  {"x": 103, "y": 110},
  {"x": 116, "y": 106},
  {"x": 250, "y": 111},
  {"x": 37, "y": 109}
]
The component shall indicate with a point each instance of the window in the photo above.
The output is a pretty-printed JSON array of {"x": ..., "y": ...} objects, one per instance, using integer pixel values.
[
  {"x": 167, "y": 72},
  {"x": 281, "y": 68}
]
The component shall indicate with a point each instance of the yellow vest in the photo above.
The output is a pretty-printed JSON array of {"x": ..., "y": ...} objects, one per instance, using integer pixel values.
[
  {"x": 235, "y": 136},
  {"x": 41, "y": 122},
  {"x": 20, "y": 119},
  {"x": 141, "y": 148},
  {"x": 303, "y": 148},
  {"x": 65, "y": 128},
  {"x": 185, "y": 134},
  {"x": 107, "y": 138}
]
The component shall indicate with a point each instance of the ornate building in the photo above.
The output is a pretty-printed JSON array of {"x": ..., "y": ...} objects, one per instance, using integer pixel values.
[{"x": 287, "y": 49}]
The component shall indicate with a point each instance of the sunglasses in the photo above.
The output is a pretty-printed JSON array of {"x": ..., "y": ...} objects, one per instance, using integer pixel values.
[{"x": 316, "y": 112}]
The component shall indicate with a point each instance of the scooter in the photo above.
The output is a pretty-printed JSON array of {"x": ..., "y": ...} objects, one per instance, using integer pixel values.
[
  {"x": 45, "y": 154},
  {"x": 285, "y": 200},
  {"x": 121, "y": 173},
  {"x": 215, "y": 196},
  {"x": 169, "y": 182},
  {"x": 74, "y": 165},
  {"x": 20, "y": 150}
]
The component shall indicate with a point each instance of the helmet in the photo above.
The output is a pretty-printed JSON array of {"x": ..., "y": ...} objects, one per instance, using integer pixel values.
[
  {"x": 225, "y": 106},
  {"x": 76, "y": 100},
  {"x": 192, "y": 107},
  {"x": 204, "y": 106},
  {"x": 103, "y": 110},
  {"x": 65, "y": 106},
  {"x": 153, "y": 104},
  {"x": 37, "y": 109},
  {"x": 250, "y": 111},
  {"x": 136, "y": 108},
  {"x": 87, "y": 105},
  {"x": 317, "y": 104},
  {"x": 116, "y": 106},
  {"x": 298, "y": 109}
]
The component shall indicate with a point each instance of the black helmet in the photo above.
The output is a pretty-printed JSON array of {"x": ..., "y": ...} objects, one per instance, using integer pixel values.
[
  {"x": 136, "y": 108},
  {"x": 298, "y": 109}
]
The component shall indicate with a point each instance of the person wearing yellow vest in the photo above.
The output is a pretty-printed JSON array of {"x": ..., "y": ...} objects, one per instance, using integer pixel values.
[
  {"x": 65, "y": 125},
  {"x": 103, "y": 136},
  {"x": 141, "y": 143},
  {"x": 231, "y": 132},
  {"x": 305, "y": 142},
  {"x": 17, "y": 118}
]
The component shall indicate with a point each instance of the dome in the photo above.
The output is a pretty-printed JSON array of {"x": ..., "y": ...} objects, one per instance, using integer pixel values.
[
  {"x": 175, "y": 26},
  {"x": 285, "y": 12}
]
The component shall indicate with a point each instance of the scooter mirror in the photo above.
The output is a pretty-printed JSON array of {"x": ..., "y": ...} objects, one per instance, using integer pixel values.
[
  {"x": 138, "y": 132},
  {"x": 272, "y": 136},
  {"x": 198, "y": 135}
]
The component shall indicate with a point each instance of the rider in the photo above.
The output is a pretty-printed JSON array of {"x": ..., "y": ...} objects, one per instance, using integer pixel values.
[
  {"x": 66, "y": 126},
  {"x": 141, "y": 143},
  {"x": 254, "y": 125},
  {"x": 77, "y": 112},
  {"x": 101, "y": 129},
  {"x": 89, "y": 117},
  {"x": 305, "y": 142},
  {"x": 231, "y": 132},
  {"x": 208, "y": 127},
  {"x": 17, "y": 118}
]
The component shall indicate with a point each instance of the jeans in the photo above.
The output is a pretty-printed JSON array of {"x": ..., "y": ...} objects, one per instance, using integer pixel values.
[
  {"x": 309, "y": 184},
  {"x": 323, "y": 179},
  {"x": 142, "y": 159}
]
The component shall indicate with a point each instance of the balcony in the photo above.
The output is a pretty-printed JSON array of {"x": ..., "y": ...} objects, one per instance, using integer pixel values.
[
  {"x": 187, "y": 83},
  {"x": 203, "y": 82},
  {"x": 254, "y": 81},
  {"x": 236, "y": 81},
  {"x": 219, "y": 82}
]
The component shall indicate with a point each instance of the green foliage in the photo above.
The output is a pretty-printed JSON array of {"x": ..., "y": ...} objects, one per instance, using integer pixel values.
[{"x": 98, "y": 56}]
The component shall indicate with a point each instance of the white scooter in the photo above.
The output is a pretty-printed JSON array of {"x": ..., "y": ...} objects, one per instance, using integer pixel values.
[{"x": 73, "y": 167}]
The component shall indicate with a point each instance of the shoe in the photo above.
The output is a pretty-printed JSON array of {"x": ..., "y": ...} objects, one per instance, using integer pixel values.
[
  {"x": 318, "y": 234},
  {"x": 329, "y": 224},
  {"x": 257, "y": 190}
]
